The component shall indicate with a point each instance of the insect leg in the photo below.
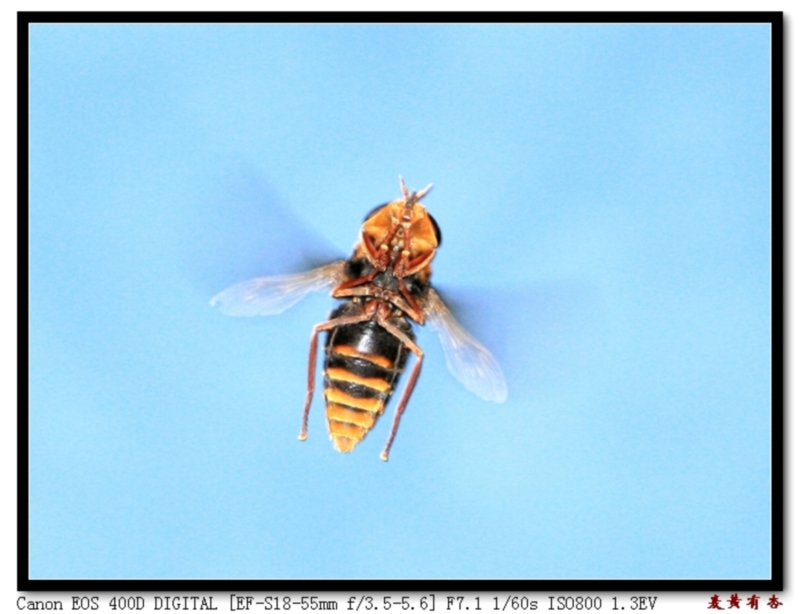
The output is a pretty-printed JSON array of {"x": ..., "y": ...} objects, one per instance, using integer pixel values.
[
  {"x": 378, "y": 256},
  {"x": 412, "y": 380},
  {"x": 415, "y": 313},
  {"x": 372, "y": 251},
  {"x": 418, "y": 263},
  {"x": 355, "y": 282},
  {"x": 312, "y": 361}
]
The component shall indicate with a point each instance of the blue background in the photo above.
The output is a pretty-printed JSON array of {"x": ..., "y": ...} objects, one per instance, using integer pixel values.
[{"x": 603, "y": 193}]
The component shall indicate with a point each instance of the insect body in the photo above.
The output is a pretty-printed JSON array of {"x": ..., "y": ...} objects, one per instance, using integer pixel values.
[
  {"x": 384, "y": 288},
  {"x": 363, "y": 361}
]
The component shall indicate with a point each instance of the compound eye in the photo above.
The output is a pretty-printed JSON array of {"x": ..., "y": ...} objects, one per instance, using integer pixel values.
[
  {"x": 436, "y": 230},
  {"x": 374, "y": 211}
]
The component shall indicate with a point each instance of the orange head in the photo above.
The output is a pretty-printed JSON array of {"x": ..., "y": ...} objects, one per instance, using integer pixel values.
[{"x": 403, "y": 224}]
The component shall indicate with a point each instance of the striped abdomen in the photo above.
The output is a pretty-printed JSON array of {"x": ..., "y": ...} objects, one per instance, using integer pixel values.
[{"x": 362, "y": 364}]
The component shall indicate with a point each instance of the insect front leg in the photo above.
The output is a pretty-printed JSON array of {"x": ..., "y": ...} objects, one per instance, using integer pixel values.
[
  {"x": 378, "y": 256},
  {"x": 419, "y": 263},
  {"x": 312, "y": 361},
  {"x": 405, "y": 268},
  {"x": 412, "y": 380}
]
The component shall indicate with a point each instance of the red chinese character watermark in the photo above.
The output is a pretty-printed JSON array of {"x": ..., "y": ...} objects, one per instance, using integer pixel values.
[
  {"x": 734, "y": 601},
  {"x": 773, "y": 602},
  {"x": 714, "y": 603}
]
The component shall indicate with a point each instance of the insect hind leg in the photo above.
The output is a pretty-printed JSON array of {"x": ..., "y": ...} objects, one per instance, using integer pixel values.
[
  {"x": 312, "y": 361},
  {"x": 409, "y": 388}
]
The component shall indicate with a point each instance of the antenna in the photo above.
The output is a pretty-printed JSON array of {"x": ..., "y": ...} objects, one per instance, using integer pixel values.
[
  {"x": 414, "y": 196},
  {"x": 403, "y": 188}
]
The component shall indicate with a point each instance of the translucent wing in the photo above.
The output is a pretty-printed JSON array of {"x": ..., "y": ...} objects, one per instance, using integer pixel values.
[
  {"x": 267, "y": 296},
  {"x": 469, "y": 362}
]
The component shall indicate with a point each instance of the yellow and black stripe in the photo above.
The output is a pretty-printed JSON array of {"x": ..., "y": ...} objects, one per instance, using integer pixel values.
[{"x": 362, "y": 364}]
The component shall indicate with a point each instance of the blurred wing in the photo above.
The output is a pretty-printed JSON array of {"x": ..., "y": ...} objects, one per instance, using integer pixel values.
[
  {"x": 267, "y": 296},
  {"x": 469, "y": 362}
]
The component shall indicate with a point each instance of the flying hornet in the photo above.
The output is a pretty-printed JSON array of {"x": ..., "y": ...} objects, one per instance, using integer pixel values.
[{"x": 383, "y": 288}]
